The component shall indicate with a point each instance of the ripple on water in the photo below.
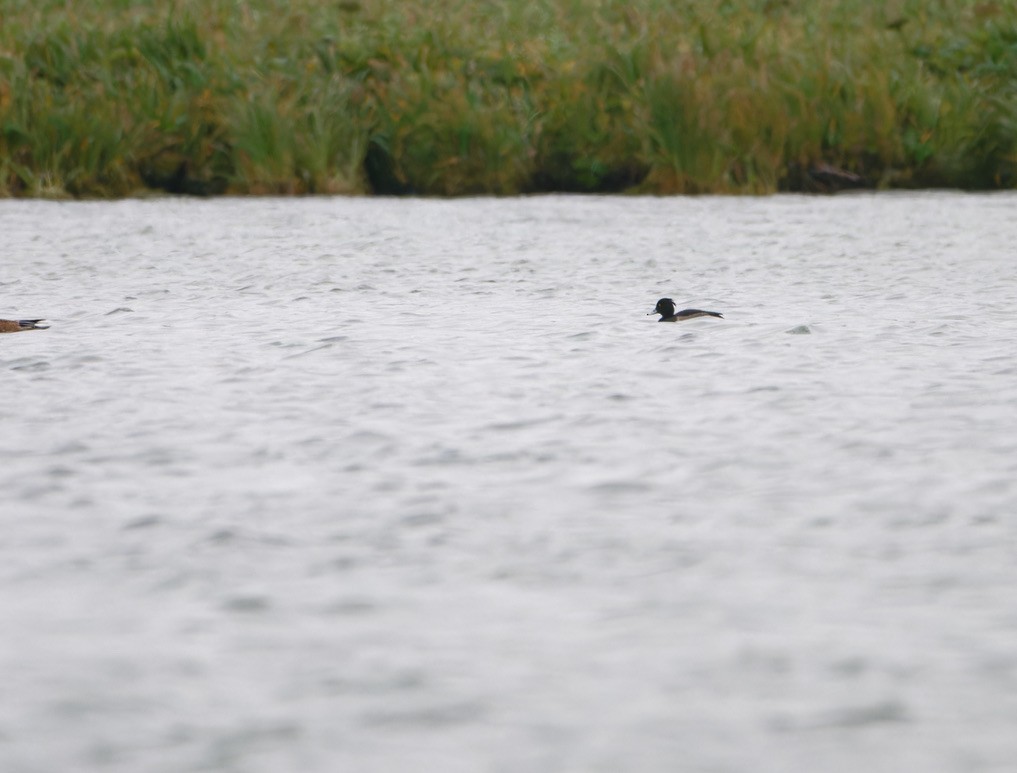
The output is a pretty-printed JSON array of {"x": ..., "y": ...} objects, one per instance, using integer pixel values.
[
  {"x": 878, "y": 713},
  {"x": 27, "y": 364},
  {"x": 428, "y": 716}
]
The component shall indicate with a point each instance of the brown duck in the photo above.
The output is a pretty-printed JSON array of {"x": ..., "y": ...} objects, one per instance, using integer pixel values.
[{"x": 18, "y": 325}]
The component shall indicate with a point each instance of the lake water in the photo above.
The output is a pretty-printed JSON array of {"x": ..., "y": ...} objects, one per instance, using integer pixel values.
[{"x": 383, "y": 485}]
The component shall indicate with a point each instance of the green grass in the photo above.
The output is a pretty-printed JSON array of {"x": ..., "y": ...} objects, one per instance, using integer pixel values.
[{"x": 450, "y": 97}]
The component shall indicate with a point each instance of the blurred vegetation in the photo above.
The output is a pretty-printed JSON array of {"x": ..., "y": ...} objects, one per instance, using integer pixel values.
[{"x": 456, "y": 97}]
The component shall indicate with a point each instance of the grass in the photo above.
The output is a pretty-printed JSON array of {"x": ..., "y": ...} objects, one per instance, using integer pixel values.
[{"x": 457, "y": 97}]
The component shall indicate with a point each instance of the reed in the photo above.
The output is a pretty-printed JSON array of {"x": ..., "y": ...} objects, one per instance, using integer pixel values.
[{"x": 457, "y": 97}]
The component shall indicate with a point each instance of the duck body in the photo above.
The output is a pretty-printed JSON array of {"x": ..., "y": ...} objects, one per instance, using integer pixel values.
[
  {"x": 20, "y": 325},
  {"x": 665, "y": 308}
]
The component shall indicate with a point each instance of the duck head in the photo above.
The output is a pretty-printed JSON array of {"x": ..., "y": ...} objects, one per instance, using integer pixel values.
[{"x": 664, "y": 307}]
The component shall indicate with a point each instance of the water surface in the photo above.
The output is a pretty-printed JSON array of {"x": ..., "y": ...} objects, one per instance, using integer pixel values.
[{"x": 380, "y": 485}]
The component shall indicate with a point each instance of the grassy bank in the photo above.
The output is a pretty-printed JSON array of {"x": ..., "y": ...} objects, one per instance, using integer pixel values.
[{"x": 449, "y": 97}]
